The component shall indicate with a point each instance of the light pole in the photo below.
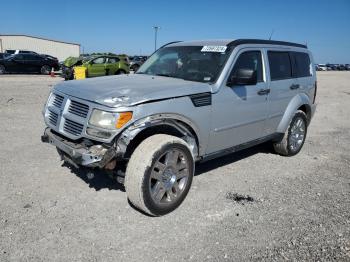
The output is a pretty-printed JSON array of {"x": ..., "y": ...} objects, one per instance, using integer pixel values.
[{"x": 156, "y": 28}]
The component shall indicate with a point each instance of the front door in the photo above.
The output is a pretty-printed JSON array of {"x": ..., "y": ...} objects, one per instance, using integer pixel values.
[
  {"x": 97, "y": 67},
  {"x": 240, "y": 111},
  {"x": 16, "y": 64}
]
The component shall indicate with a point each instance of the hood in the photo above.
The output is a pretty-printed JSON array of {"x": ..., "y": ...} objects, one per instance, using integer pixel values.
[
  {"x": 128, "y": 90},
  {"x": 71, "y": 61}
]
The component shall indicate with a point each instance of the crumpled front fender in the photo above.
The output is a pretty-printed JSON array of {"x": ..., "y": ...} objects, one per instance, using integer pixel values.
[{"x": 180, "y": 123}]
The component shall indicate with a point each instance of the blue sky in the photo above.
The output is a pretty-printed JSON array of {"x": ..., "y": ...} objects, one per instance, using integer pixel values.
[{"x": 126, "y": 26}]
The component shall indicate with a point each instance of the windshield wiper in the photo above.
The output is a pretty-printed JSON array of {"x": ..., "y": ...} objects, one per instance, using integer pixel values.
[{"x": 166, "y": 75}]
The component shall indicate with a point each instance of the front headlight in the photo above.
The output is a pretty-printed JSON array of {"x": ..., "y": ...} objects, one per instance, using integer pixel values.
[
  {"x": 103, "y": 119},
  {"x": 108, "y": 120}
]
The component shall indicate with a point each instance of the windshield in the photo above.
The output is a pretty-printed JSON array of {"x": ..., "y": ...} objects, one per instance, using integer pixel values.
[{"x": 193, "y": 63}]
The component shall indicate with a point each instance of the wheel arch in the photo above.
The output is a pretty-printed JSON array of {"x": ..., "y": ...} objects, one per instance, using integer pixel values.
[
  {"x": 120, "y": 70},
  {"x": 299, "y": 102},
  {"x": 167, "y": 124}
]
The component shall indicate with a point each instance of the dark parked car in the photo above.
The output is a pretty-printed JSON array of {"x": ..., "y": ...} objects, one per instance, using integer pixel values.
[
  {"x": 50, "y": 57},
  {"x": 136, "y": 62},
  {"x": 4, "y": 55},
  {"x": 341, "y": 67},
  {"x": 27, "y": 63},
  {"x": 332, "y": 66},
  {"x": 17, "y": 51}
]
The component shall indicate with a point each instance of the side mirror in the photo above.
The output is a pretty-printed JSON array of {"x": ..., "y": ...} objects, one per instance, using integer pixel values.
[{"x": 243, "y": 77}]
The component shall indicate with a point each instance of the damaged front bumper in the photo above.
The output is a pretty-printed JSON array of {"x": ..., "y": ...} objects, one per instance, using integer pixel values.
[{"x": 80, "y": 154}]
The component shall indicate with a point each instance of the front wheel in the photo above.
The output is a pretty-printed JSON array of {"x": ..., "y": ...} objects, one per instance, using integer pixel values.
[
  {"x": 45, "y": 70},
  {"x": 2, "y": 70},
  {"x": 294, "y": 138},
  {"x": 159, "y": 174},
  {"x": 120, "y": 72},
  {"x": 135, "y": 67}
]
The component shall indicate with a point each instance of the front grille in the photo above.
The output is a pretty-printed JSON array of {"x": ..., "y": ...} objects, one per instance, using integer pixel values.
[
  {"x": 78, "y": 109},
  {"x": 57, "y": 101},
  {"x": 72, "y": 127},
  {"x": 53, "y": 118}
]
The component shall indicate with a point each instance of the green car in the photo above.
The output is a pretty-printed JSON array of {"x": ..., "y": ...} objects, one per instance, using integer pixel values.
[
  {"x": 99, "y": 65},
  {"x": 106, "y": 65},
  {"x": 69, "y": 63}
]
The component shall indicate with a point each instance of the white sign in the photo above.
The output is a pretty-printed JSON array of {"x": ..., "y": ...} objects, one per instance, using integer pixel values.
[{"x": 214, "y": 48}]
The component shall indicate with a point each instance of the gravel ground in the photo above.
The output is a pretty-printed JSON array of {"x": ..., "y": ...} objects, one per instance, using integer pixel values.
[{"x": 249, "y": 206}]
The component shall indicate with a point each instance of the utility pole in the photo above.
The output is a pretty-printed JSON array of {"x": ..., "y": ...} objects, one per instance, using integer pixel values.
[{"x": 156, "y": 28}]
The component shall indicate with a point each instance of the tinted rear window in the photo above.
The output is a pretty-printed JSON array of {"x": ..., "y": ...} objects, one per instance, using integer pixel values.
[
  {"x": 301, "y": 64},
  {"x": 280, "y": 65}
]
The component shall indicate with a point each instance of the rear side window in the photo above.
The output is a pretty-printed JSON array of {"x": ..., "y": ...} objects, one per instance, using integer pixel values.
[
  {"x": 301, "y": 64},
  {"x": 280, "y": 65},
  {"x": 113, "y": 60}
]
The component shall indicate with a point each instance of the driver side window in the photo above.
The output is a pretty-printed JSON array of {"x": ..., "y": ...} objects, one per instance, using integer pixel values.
[
  {"x": 100, "y": 60},
  {"x": 249, "y": 60}
]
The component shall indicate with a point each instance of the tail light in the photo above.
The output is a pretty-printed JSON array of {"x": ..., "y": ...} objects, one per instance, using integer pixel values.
[{"x": 315, "y": 92}]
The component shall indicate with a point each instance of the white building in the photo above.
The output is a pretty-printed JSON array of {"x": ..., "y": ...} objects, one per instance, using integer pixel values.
[{"x": 55, "y": 48}]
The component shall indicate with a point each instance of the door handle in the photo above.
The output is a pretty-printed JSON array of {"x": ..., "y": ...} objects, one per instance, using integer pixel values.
[
  {"x": 263, "y": 91},
  {"x": 294, "y": 86}
]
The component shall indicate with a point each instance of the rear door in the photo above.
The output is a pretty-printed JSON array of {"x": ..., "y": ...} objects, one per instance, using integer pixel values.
[
  {"x": 34, "y": 62},
  {"x": 112, "y": 65},
  {"x": 283, "y": 86}
]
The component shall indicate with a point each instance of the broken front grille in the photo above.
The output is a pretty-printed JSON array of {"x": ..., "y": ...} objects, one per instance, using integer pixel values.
[{"x": 67, "y": 115}]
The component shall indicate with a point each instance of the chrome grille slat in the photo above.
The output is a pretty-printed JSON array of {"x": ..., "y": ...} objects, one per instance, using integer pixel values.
[
  {"x": 53, "y": 118},
  {"x": 79, "y": 109},
  {"x": 57, "y": 101},
  {"x": 72, "y": 127}
]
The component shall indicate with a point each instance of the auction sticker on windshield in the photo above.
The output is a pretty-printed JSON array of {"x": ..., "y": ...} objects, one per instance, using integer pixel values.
[{"x": 214, "y": 48}]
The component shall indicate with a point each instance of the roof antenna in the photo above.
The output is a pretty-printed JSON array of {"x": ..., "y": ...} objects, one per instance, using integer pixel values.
[{"x": 271, "y": 34}]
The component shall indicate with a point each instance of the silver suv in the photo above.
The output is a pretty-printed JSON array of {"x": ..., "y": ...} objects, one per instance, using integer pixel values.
[{"x": 190, "y": 101}]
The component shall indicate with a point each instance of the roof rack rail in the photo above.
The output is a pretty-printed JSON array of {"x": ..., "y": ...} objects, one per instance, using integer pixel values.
[{"x": 264, "y": 42}]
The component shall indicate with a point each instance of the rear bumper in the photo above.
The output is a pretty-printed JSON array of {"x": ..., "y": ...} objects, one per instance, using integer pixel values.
[{"x": 79, "y": 154}]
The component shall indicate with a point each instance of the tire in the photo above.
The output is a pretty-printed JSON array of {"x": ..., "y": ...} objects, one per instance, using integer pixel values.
[
  {"x": 120, "y": 72},
  {"x": 294, "y": 138},
  {"x": 45, "y": 70},
  {"x": 159, "y": 174},
  {"x": 2, "y": 70},
  {"x": 135, "y": 67}
]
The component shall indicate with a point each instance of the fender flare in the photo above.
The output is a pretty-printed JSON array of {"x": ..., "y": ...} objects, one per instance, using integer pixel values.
[
  {"x": 296, "y": 102},
  {"x": 182, "y": 124}
]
